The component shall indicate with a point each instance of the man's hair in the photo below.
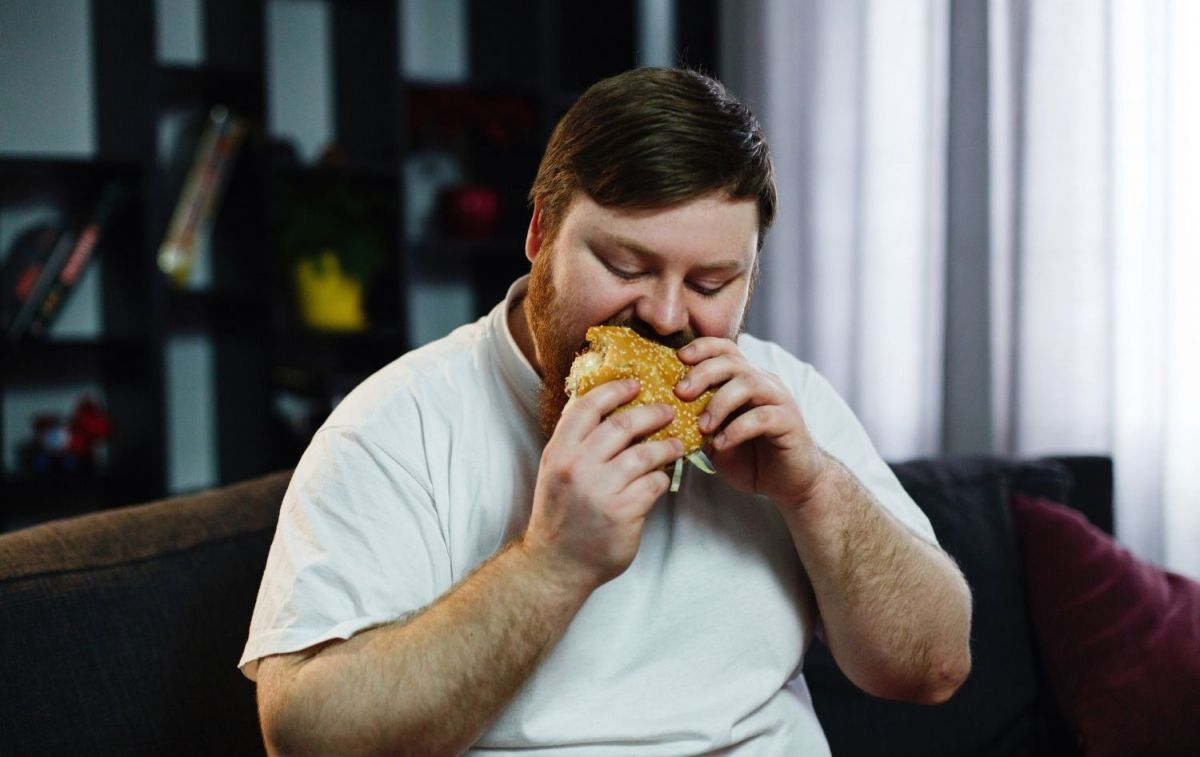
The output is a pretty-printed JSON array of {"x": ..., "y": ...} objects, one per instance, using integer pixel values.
[{"x": 652, "y": 138}]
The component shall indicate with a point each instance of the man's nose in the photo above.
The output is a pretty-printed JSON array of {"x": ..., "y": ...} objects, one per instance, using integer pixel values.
[{"x": 663, "y": 310}]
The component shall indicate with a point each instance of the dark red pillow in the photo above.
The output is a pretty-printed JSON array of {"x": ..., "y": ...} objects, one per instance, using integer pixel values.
[{"x": 1119, "y": 639}]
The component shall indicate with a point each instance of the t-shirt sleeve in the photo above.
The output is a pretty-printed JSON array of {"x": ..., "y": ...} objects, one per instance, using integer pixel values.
[
  {"x": 358, "y": 543},
  {"x": 837, "y": 431}
]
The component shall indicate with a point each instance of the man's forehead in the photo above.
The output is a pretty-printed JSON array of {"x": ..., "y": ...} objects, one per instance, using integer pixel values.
[
  {"x": 723, "y": 229},
  {"x": 583, "y": 205}
]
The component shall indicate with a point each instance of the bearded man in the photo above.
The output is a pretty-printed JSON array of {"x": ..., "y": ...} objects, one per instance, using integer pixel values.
[{"x": 463, "y": 563}]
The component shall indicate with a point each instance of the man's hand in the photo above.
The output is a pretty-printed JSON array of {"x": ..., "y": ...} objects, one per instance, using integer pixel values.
[
  {"x": 762, "y": 444},
  {"x": 896, "y": 612},
  {"x": 596, "y": 483},
  {"x": 432, "y": 684}
]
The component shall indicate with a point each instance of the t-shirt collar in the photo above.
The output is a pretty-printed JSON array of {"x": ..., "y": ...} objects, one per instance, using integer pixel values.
[{"x": 517, "y": 369}]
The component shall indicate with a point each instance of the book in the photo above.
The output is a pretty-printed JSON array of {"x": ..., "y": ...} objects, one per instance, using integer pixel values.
[
  {"x": 23, "y": 267},
  {"x": 65, "y": 276},
  {"x": 40, "y": 285},
  {"x": 191, "y": 221}
]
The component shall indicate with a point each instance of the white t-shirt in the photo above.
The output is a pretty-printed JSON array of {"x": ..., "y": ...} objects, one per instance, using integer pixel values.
[{"x": 428, "y": 467}]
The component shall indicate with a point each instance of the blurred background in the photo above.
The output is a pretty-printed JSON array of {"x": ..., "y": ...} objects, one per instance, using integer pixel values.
[{"x": 218, "y": 216}]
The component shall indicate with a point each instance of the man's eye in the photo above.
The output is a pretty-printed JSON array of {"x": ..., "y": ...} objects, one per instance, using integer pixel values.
[
  {"x": 706, "y": 291},
  {"x": 622, "y": 273}
]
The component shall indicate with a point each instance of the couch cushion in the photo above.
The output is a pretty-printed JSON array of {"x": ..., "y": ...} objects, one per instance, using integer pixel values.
[
  {"x": 996, "y": 711},
  {"x": 1119, "y": 638},
  {"x": 121, "y": 631}
]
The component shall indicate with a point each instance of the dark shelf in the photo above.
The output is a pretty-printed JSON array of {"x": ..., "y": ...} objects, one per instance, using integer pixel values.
[
  {"x": 466, "y": 250},
  {"x": 310, "y": 356},
  {"x": 483, "y": 116},
  {"x": 31, "y": 168},
  {"x": 38, "y": 488},
  {"x": 372, "y": 337},
  {"x": 216, "y": 310},
  {"x": 383, "y": 178},
  {"x": 488, "y": 265},
  {"x": 205, "y": 86},
  {"x": 529, "y": 89},
  {"x": 64, "y": 180},
  {"x": 31, "y": 499},
  {"x": 23, "y": 353},
  {"x": 580, "y": 25}
]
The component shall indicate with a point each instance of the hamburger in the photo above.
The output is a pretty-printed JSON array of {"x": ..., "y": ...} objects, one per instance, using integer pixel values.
[{"x": 618, "y": 352}]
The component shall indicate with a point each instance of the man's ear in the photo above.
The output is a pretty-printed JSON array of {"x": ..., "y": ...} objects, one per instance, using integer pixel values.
[{"x": 533, "y": 237}]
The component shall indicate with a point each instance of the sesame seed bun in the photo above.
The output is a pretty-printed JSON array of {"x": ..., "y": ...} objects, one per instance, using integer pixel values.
[{"x": 618, "y": 352}]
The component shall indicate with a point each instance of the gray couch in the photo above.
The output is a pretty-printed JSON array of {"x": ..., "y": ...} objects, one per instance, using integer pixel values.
[{"x": 121, "y": 630}]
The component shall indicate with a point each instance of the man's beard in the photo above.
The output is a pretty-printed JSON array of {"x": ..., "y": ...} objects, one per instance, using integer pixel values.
[{"x": 557, "y": 346}]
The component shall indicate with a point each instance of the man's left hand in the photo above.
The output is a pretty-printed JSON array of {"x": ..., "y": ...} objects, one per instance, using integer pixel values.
[{"x": 760, "y": 442}]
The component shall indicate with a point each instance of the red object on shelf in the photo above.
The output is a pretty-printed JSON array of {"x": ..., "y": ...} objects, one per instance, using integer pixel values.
[
  {"x": 89, "y": 425},
  {"x": 469, "y": 211}
]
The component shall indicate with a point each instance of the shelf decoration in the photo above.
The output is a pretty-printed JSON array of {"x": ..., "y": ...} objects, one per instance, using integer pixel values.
[
  {"x": 332, "y": 250},
  {"x": 468, "y": 211},
  {"x": 24, "y": 265},
  {"x": 330, "y": 299},
  {"x": 46, "y": 264},
  {"x": 68, "y": 445},
  {"x": 191, "y": 222}
]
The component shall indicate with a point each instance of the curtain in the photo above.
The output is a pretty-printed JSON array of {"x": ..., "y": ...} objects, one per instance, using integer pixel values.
[
  {"x": 852, "y": 96},
  {"x": 988, "y": 235}
]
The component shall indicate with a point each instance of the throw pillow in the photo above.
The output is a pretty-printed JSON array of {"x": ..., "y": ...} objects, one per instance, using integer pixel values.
[{"x": 1119, "y": 639}]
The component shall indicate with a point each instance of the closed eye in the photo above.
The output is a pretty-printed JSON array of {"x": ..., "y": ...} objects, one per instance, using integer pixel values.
[
  {"x": 707, "y": 291},
  {"x": 622, "y": 273}
]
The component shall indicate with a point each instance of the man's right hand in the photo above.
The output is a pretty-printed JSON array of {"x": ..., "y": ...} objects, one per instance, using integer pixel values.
[{"x": 595, "y": 485}]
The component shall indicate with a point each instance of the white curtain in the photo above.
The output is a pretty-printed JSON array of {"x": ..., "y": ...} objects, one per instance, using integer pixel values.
[
  {"x": 988, "y": 235},
  {"x": 853, "y": 99}
]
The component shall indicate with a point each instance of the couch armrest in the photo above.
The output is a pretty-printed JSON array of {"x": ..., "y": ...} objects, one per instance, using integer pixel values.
[{"x": 121, "y": 630}]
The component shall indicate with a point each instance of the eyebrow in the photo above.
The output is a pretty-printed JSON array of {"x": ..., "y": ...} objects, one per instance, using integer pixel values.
[{"x": 724, "y": 266}]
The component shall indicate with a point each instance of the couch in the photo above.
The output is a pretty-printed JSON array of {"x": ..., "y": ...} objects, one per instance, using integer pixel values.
[
  {"x": 121, "y": 629},
  {"x": 1005, "y": 707}
]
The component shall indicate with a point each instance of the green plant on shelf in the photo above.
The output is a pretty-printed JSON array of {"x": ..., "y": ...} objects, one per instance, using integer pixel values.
[{"x": 332, "y": 248}]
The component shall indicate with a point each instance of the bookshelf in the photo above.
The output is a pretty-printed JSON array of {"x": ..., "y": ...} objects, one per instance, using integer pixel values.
[
  {"x": 94, "y": 352},
  {"x": 406, "y": 137}
]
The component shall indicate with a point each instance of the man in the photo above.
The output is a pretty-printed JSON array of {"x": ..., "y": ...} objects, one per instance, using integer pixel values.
[{"x": 462, "y": 563}]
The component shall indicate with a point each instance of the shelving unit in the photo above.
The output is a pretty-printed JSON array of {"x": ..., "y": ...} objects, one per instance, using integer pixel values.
[
  {"x": 272, "y": 380},
  {"x": 100, "y": 358}
]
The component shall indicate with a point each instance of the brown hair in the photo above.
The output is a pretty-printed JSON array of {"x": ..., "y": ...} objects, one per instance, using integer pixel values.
[{"x": 652, "y": 138}]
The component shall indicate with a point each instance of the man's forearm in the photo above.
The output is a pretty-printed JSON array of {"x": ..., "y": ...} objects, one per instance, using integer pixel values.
[
  {"x": 433, "y": 684},
  {"x": 896, "y": 610}
]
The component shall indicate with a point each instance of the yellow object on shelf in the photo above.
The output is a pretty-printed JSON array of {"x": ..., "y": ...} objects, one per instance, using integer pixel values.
[{"x": 329, "y": 299}]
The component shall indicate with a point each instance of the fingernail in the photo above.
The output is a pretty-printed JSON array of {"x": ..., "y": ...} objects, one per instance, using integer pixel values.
[
  {"x": 720, "y": 440},
  {"x": 683, "y": 385},
  {"x": 704, "y": 421}
]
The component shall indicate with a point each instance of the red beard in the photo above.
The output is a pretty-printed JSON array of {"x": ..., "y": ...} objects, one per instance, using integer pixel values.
[{"x": 557, "y": 346}]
